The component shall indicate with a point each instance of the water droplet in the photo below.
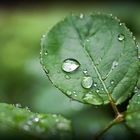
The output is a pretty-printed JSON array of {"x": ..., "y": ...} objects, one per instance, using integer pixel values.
[
  {"x": 81, "y": 16},
  {"x": 114, "y": 64},
  {"x": 88, "y": 96},
  {"x": 112, "y": 82},
  {"x": 138, "y": 95},
  {"x": 27, "y": 108},
  {"x": 18, "y": 105},
  {"x": 135, "y": 89},
  {"x": 68, "y": 92},
  {"x": 87, "y": 82},
  {"x": 46, "y": 53},
  {"x": 70, "y": 65},
  {"x": 67, "y": 77},
  {"x": 87, "y": 40},
  {"x": 121, "y": 37},
  {"x": 40, "y": 52},
  {"x": 36, "y": 119},
  {"x": 121, "y": 24},
  {"x": 95, "y": 85},
  {"x": 43, "y": 35},
  {"x": 85, "y": 72},
  {"x": 134, "y": 38},
  {"x": 97, "y": 90},
  {"x": 102, "y": 89}
]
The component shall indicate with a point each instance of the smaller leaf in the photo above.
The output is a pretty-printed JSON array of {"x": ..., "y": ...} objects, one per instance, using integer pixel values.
[
  {"x": 132, "y": 115},
  {"x": 15, "y": 118}
]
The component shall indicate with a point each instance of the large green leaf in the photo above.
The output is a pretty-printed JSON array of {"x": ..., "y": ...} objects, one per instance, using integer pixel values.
[
  {"x": 91, "y": 57},
  {"x": 13, "y": 118},
  {"x": 132, "y": 115}
]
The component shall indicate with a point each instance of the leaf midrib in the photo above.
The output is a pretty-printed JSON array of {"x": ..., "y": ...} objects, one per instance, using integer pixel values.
[{"x": 93, "y": 64}]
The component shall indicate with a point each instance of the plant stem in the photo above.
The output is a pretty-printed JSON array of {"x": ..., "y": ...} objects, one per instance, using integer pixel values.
[{"x": 118, "y": 119}]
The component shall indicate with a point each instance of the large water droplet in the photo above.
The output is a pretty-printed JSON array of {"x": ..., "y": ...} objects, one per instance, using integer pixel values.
[
  {"x": 121, "y": 37},
  {"x": 70, "y": 65},
  {"x": 87, "y": 82}
]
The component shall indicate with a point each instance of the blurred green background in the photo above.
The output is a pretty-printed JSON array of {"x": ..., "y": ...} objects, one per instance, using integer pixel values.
[{"x": 22, "y": 79}]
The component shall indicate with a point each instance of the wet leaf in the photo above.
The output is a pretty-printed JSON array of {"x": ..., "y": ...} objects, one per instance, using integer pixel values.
[
  {"x": 97, "y": 53},
  {"x": 15, "y": 118},
  {"x": 132, "y": 115}
]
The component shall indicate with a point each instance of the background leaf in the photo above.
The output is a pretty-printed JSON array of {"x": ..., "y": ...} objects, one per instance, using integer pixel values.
[
  {"x": 13, "y": 118},
  {"x": 91, "y": 57}
]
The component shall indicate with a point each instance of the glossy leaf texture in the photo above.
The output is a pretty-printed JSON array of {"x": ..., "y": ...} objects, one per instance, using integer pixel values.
[
  {"x": 91, "y": 57},
  {"x": 13, "y": 118},
  {"x": 132, "y": 114}
]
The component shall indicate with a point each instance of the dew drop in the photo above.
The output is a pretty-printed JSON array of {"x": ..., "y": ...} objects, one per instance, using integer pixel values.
[
  {"x": 36, "y": 119},
  {"x": 18, "y": 105},
  {"x": 46, "y": 53},
  {"x": 85, "y": 72},
  {"x": 88, "y": 96},
  {"x": 87, "y": 40},
  {"x": 70, "y": 65},
  {"x": 95, "y": 85},
  {"x": 121, "y": 37},
  {"x": 87, "y": 82},
  {"x": 81, "y": 16},
  {"x": 43, "y": 35},
  {"x": 97, "y": 90},
  {"x": 68, "y": 92},
  {"x": 40, "y": 53},
  {"x": 112, "y": 82},
  {"x": 114, "y": 64},
  {"x": 67, "y": 77}
]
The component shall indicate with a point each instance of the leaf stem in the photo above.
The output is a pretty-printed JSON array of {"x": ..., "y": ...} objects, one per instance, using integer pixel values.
[{"x": 119, "y": 118}]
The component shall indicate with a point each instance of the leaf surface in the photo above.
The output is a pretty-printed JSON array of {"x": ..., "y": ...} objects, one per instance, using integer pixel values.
[
  {"x": 91, "y": 57},
  {"x": 41, "y": 125},
  {"x": 132, "y": 115}
]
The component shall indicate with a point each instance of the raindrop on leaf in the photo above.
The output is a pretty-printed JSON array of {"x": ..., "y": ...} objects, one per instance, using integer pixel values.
[
  {"x": 70, "y": 65},
  {"x": 87, "y": 82}
]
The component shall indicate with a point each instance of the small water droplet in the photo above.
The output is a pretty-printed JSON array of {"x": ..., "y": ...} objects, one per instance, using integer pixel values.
[
  {"x": 43, "y": 35},
  {"x": 87, "y": 40},
  {"x": 97, "y": 90},
  {"x": 85, "y": 72},
  {"x": 134, "y": 38},
  {"x": 67, "y": 77},
  {"x": 46, "y": 53},
  {"x": 102, "y": 89},
  {"x": 68, "y": 92},
  {"x": 40, "y": 53},
  {"x": 18, "y": 105},
  {"x": 88, "y": 96},
  {"x": 81, "y": 16},
  {"x": 135, "y": 89},
  {"x": 121, "y": 37},
  {"x": 121, "y": 24},
  {"x": 112, "y": 82},
  {"x": 87, "y": 82},
  {"x": 114, "y": 64},
  {"x": 70, "y": 65},
  {"x": 36, "y": 119},
  {"x": 95, "y": 85}
]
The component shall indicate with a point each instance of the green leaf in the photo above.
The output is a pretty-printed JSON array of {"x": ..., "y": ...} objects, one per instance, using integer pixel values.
[
  {"x": 16, "y": 119},
  {"x": 132, "y": 114},
  {"x": 90, "y": 58}
]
